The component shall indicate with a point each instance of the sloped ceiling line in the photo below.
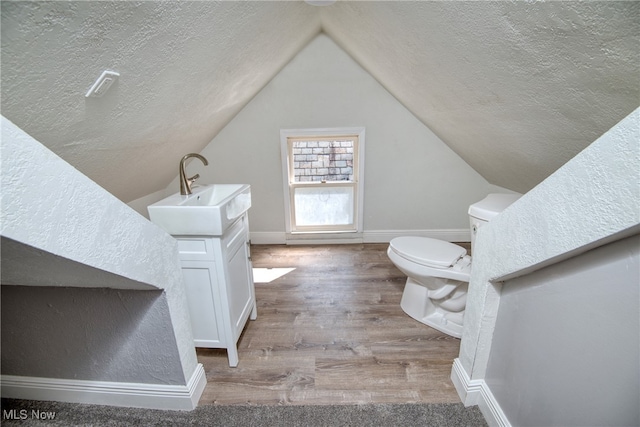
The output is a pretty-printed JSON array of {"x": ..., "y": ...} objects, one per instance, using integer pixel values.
[{"x": 515, "y": 89}]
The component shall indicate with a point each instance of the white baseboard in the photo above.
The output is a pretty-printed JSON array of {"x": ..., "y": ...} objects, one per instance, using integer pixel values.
[
  {"x": 385, "y": 236},
  {"x": 137, "y": 395},
  {"x": 326, "y": 241},
  {"x": 339, "y": 238},
  {"x": 268, "y": 238},
  {"x": 468, "y": 390},
  {"x": 477, "y": 392},
  {"x": 372, "y": 236}
]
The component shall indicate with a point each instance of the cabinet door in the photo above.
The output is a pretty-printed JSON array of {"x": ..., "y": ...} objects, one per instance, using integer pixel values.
[
  {"x": 239, "y": 286},
  {"x": 200, "y": 284}
]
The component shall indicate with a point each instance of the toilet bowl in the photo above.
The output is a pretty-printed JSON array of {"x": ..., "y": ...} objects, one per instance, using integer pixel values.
[{"x": 438, "y": 272}]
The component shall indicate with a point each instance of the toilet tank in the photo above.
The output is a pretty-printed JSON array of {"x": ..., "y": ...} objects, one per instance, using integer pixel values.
[{"x": 483, "y": 211}]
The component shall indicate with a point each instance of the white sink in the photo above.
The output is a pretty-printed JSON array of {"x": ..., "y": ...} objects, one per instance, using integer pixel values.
[{"x": 209, "y": 211}]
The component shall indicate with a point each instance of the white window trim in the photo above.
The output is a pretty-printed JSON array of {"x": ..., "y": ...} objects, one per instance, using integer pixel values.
[{"x": 285, "y": 134}]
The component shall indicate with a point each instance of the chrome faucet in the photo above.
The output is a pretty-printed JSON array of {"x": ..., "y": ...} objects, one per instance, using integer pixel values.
[{"x": 185, "y": 183}]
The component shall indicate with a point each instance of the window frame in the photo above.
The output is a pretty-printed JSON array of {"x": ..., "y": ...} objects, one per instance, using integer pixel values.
[{"x": 286, "y": 135}]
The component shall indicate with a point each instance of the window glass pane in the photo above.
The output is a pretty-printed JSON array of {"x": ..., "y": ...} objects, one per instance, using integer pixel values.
[
  {"x": 322, "y": 160},
  {"x": 324, "y": 206}
]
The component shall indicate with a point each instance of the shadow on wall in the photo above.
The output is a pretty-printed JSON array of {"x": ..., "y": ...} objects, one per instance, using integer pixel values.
[
  {"x": 88, "y": 334},
  {"x": 575, "y": 324},
  {"x": 22, "y": 263}
]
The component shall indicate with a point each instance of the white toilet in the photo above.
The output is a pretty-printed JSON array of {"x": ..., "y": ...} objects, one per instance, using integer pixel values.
[{"x": 438, "y": 271}]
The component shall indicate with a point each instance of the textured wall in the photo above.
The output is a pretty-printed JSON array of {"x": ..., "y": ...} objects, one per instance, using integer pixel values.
[
  {"x": 68, "y": 231},
  {"x": 50, "y": 206},
  {"x": 89, "y": 334},
  {"x": 592, "y": 199}
]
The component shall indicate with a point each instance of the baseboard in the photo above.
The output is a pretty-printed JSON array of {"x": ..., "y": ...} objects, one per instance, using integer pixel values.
[
  {"x": 477, "y": 392},
  {"x": 326, "y": 241},
  {"x": 448, "y": 235},
  {"x": 372, "y": 236},
  {"x": 338, "y": 238},
  {"x": 268, "y": 238},
  {"x": 468, "y": 390},
  {"x": 137, "y": 395}
]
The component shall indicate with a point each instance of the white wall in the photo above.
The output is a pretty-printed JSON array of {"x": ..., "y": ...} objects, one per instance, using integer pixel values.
[
  {"x": 89, "y": 334},
  {"x": 592, "y": 200},
  {"x": 566, "y": 349},
  {"x": 413, "y": 181},
  {"x": 62, "y": 233},
  {"x": 47, "y": 204}
]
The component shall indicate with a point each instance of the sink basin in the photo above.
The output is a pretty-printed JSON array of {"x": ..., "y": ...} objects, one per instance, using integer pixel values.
[{"x": 209, "y": 211}]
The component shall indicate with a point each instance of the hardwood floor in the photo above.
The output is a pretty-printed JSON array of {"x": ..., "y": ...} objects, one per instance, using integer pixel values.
[{"x": 332, "y": 332}]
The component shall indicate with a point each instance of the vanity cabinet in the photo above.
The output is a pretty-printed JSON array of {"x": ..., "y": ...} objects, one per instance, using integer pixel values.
[{"x": 219, "y": 286}]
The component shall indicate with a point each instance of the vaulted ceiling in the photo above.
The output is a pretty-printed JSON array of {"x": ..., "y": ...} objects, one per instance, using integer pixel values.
[{"x": 515, "y": 88}]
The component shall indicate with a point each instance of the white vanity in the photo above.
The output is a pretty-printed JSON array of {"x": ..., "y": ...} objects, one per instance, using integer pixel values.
[{"x": 212, "y": 229}]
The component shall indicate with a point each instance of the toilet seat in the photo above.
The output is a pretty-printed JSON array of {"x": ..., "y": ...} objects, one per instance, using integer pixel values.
[
  {"x": 428, "y": 252},
  {"x": 438, "y": 275}
]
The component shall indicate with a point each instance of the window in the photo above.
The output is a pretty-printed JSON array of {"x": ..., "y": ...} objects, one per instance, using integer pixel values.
[{"x": 322, "y": 171}]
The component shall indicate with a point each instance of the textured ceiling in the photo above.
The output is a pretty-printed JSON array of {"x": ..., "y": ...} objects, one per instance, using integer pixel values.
[
  {"x": 186, "y": 68},
  {"x": 515, "y": 88}
]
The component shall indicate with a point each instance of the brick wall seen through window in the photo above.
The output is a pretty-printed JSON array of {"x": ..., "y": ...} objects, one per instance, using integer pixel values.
[{"x": 322, "y": 160}]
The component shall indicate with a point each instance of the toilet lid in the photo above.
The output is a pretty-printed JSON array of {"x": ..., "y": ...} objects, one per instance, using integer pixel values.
[{"x": 428, "y": 252}]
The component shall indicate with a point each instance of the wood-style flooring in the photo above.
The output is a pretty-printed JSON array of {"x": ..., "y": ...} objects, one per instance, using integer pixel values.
[{"x": 332, "y": 332}]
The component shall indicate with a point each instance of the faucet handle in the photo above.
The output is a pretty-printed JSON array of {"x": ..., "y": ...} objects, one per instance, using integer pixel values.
[{"x": 193, "y": 179}]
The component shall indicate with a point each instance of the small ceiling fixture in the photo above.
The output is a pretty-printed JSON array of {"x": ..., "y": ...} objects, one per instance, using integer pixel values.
[
  {"x": 104, "y": 82},
  {"x": 320, "y": 2}
]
